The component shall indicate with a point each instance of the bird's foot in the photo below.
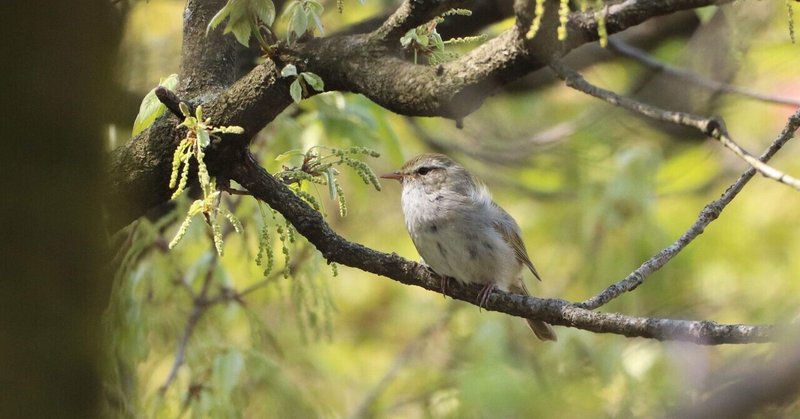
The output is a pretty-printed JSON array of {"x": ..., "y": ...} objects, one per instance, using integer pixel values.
[
  {"x": 483, "y": 296},
  {"x": 445, "y": 284}
]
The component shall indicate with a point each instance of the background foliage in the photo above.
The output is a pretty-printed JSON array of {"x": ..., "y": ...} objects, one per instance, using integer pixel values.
[{"x": 595, "y": 190}]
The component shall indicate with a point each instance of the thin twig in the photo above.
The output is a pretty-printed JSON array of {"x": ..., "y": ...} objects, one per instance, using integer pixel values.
[
  {"x": 200, "y": 304},
  {"x": 763, "y": 168},
  {"x": 707, "y": 215},
  {"x": 630, "y": 51},
  {"x": 711, "y": 127}
]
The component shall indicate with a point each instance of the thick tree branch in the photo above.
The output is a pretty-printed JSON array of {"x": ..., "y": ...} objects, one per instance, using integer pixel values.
[
  {"x": 208, "y": 62},
  {"x": 582, "y": 27},
  {"x": 139, "y": 171},
  {"x": 334, "y": 248}
]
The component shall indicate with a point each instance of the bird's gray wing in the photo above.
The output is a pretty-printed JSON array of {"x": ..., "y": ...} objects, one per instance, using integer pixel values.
[{"x": 508, "y": 229}]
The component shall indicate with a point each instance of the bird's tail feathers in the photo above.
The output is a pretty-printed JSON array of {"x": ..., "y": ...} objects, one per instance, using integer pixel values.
[{"x": 542, "y": 330}]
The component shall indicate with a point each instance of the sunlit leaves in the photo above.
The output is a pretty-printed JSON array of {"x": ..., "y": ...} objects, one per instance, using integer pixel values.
[
  {"x": 301, "y": 15},
  {"x": 299, "y": 88},
  {"x": 318, "y": 168},
  {"x": 245, "y": 18},
  {"x": 151, "y": 108},
  {"x": 425, "y": 40}
]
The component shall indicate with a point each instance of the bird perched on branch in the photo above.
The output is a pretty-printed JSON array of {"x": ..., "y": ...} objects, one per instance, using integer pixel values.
[{"x": 461, "y": 233}]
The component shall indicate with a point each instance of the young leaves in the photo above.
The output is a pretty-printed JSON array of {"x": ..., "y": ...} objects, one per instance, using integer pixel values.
[
  {"x": 425, "y": 40},
  {"x": 320, "y": 169},
  {"x": 299, "y": 13},
  {"x": 245, "y": 18},
  {"x": 302, "y": 82},
  {"x": 152, "y": 108}
]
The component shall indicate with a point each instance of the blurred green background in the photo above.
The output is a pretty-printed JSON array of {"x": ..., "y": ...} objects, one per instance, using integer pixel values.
[{"x": 595, "y": 190}]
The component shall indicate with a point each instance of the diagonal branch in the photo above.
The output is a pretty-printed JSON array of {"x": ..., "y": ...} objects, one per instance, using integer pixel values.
[
  {"x": 334, "y": 248},
  {"x": 582, "y": 26},
  {"x": 710, "y": 213},
  {"x": 707, "y": 126},
  {"x": 653, "y": 63},
  {"x": 711, "y": 127}
]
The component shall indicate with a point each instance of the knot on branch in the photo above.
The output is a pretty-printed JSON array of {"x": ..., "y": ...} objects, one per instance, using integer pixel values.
[
  {"x": 171, "y": 101},
  {"x": 714, "y": 127}
]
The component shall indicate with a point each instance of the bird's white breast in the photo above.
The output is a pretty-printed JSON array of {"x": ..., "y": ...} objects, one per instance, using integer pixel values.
[{"x": 455, "y": 236}]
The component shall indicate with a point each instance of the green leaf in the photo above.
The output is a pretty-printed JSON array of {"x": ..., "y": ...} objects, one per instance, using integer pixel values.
[
  {"x": 289, "y": 70},
  {"x": 218, "y": 18},
  {"x": 151, "y": 108},
  {"x": 287, "y": 12},
  {"x": 315, "y": 7},
  {"x": 299, "y": 22},
  {"x": 291, "y": 153},
  {"x": 314, "y": 81},
  {"x": 265, "y": 10},
  {"x": 241, "y": 30},
  {"x": 331, "y": 178},
  {"x": 185, "y": 109},
  {"x": 706, "y": 13},
  {"x": 317, "y": 22},
  {"x": 422, "y": 40},
  {"x": 227, "y": 370},
  {"x": 203, "y": 138},
  {"x": 405, "y": 41},
  {"x": 296, "y": 91},
  {"x": 437, "y": 40}
]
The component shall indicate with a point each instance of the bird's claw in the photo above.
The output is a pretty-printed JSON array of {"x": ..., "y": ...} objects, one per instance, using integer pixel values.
[
  {"x": 444, "y": 284},
  {"x": 483, "y": 296}
]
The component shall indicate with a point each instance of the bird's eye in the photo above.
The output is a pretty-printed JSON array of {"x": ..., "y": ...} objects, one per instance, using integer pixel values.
[{"x": 423, "y": 171}]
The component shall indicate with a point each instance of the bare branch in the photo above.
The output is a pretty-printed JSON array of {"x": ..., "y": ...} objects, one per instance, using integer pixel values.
[
  {"x": 763, "y": 168},
  {"x": 648, "y": 60},
  {"x": 576, "y": 81},
  {"x": 200, "y": 305},
  {"x": 357, "y": 63},
  {"x": 711, "y": 127},
  {"x": 334, "y": 248},
  {"x": 707, "y": 215},
  {"x": 582, "y": 26}
]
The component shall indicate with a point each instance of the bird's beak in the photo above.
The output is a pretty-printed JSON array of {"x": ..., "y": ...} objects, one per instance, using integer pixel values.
[{"x": 394, "y": 175}]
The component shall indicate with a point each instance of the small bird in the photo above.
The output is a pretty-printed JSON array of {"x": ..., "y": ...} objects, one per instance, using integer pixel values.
[{"x": 460, "y": 232}]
